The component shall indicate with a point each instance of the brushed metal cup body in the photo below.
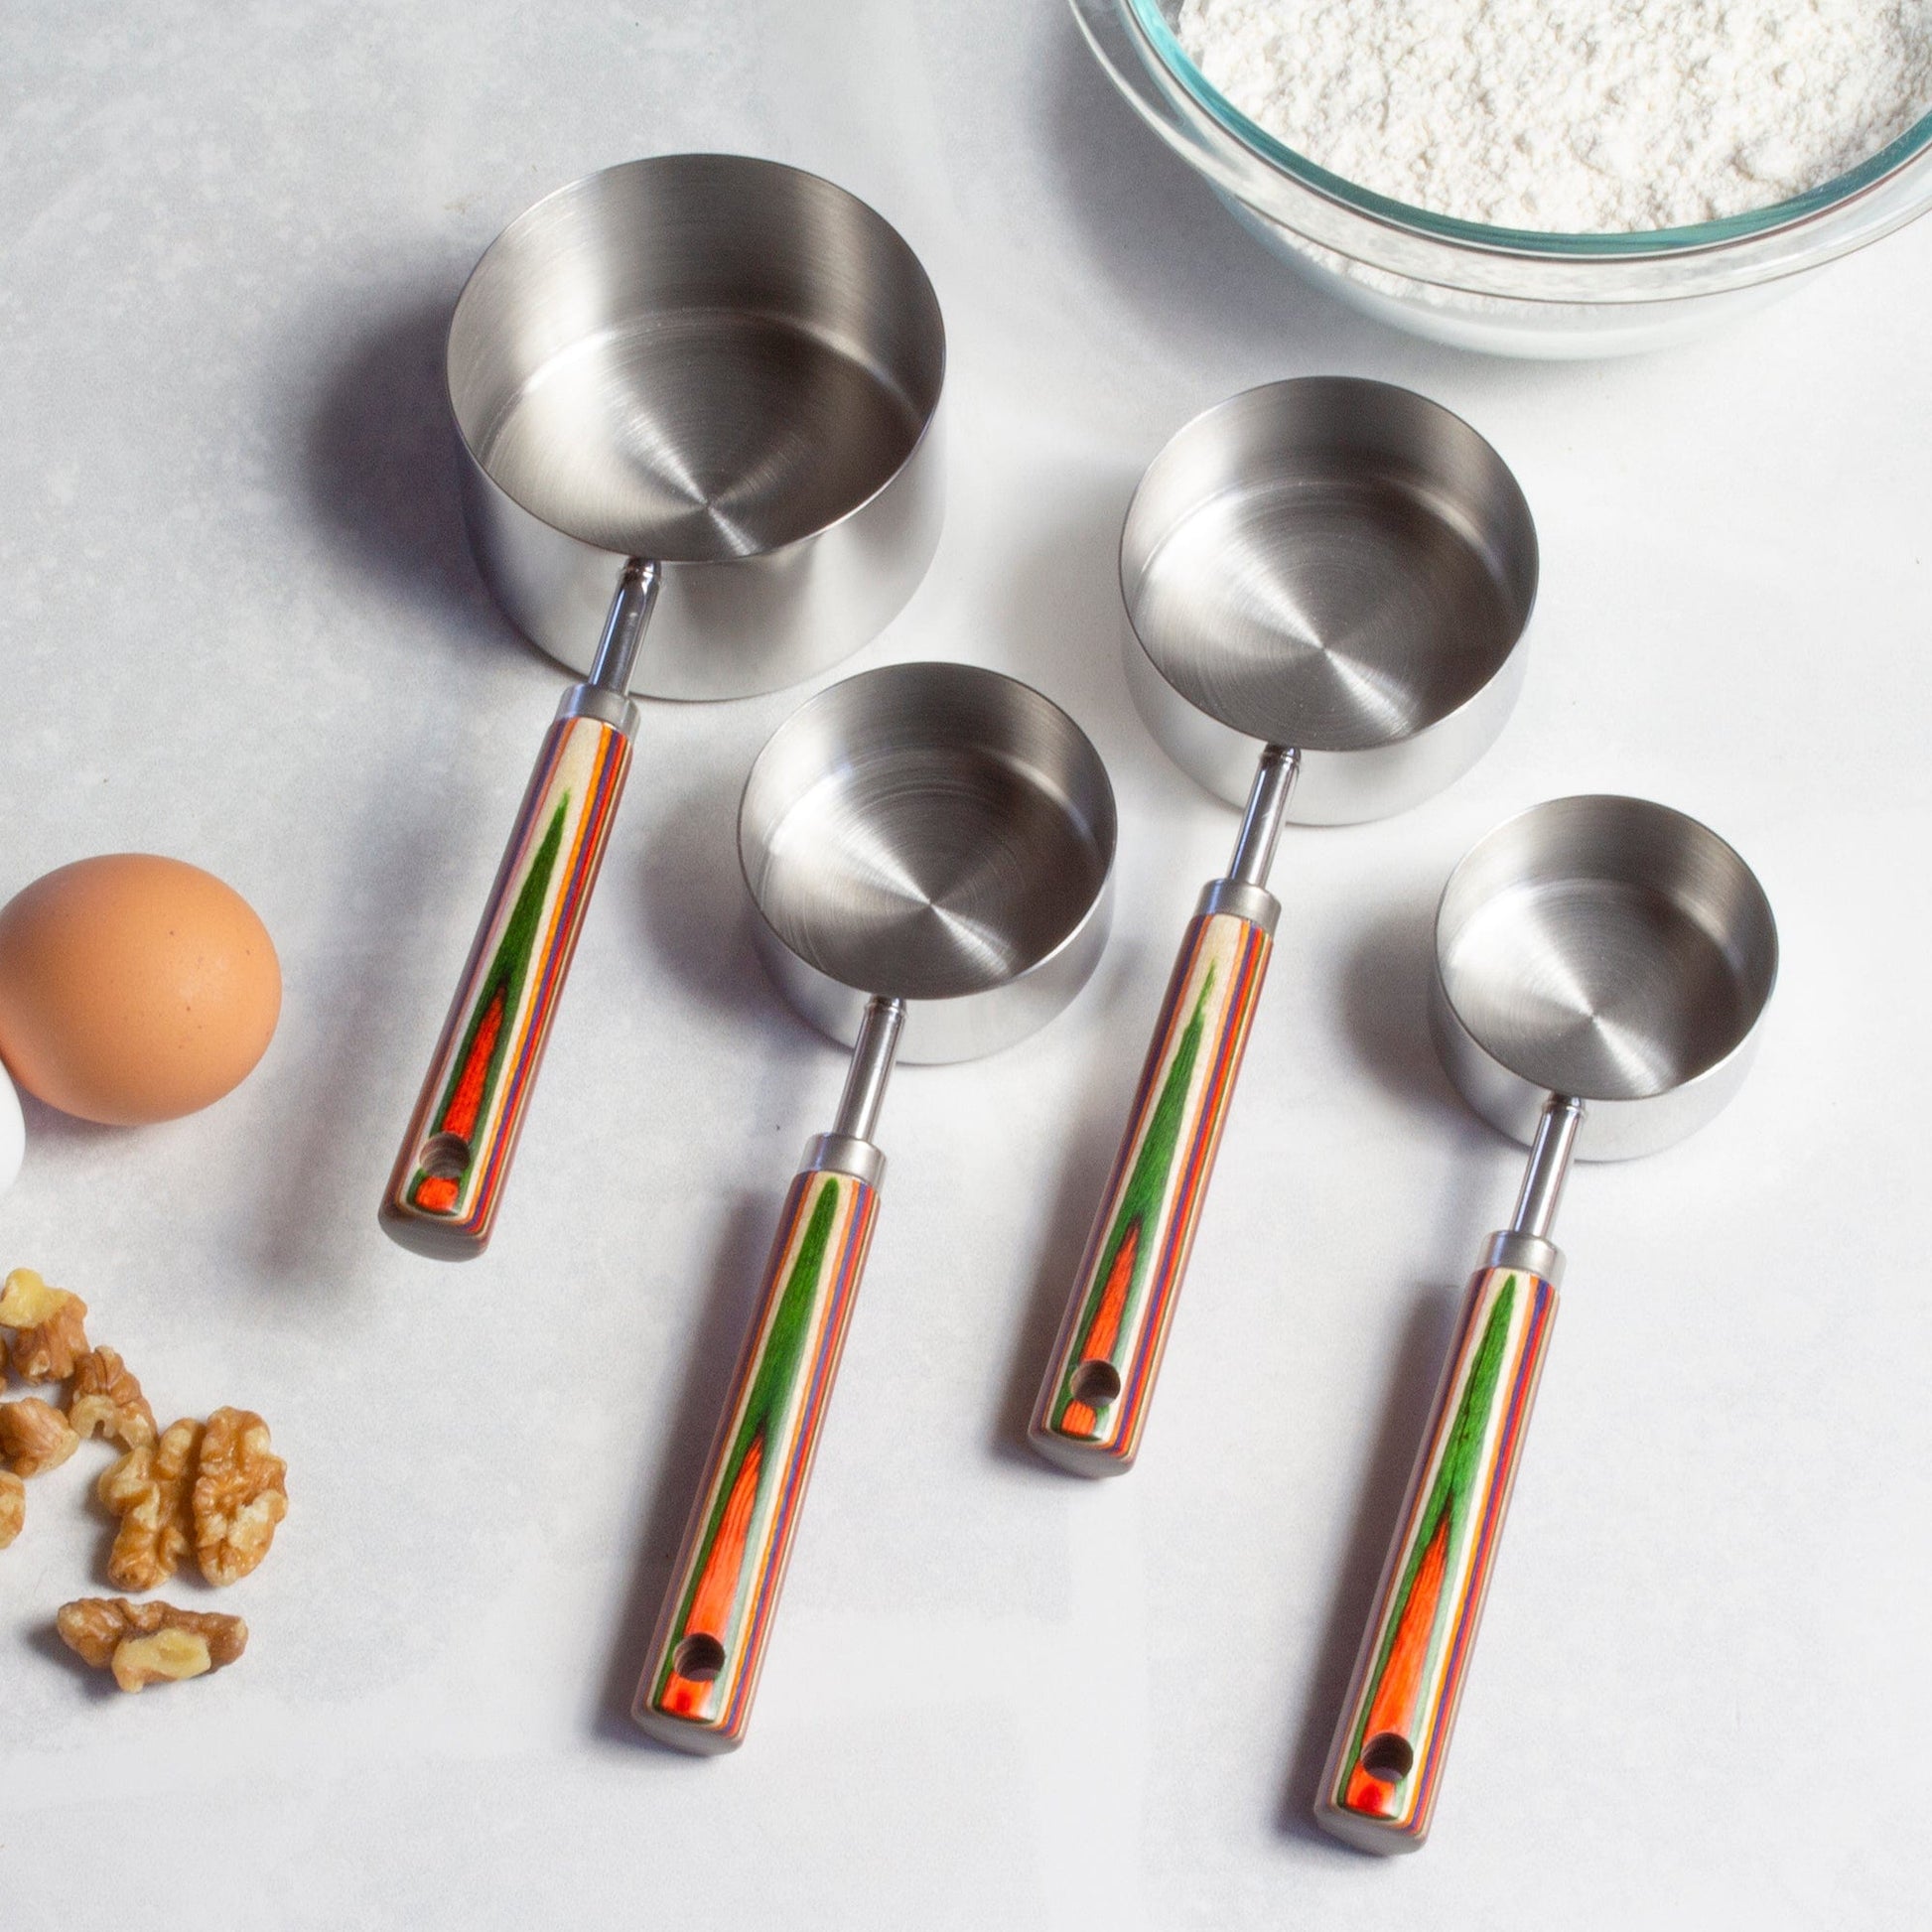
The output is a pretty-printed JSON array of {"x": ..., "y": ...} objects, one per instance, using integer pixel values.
[
  {"x": 725, "y": 365},
  {"x": 935, "y": 835},
  {"x": 1605, "y": 950},
  {"x": 1334, "y": 565}
]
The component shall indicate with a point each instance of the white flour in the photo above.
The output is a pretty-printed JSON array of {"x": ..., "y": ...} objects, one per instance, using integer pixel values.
[{"x": 1579, "y": 115}]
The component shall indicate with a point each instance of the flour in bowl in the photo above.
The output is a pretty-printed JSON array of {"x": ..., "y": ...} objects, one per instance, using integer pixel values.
[{"x": 1584, "y": 116}]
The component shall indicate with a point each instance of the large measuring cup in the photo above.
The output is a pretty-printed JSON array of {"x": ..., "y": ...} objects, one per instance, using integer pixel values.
[
  {"x": 1602, "y": 966},
  {"x": 696, "y": 396},
  {"x": 1326, "y": 583},
  {"x": 929, "y": 849}
]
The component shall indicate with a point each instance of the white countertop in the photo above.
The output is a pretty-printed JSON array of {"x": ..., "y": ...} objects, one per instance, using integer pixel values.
[{"x": 238, "y": 624}]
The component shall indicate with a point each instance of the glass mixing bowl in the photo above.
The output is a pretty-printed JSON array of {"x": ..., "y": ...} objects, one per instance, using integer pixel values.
[{"x": 1509, "y": 291}]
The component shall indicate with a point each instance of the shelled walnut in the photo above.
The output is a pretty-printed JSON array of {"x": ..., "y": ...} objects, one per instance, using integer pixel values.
[
  {"x": 149, "y": 1489},
  {"x": 47, "y": 1324},
  {"x": 33, "y": 1435},
  {"x": 149, "y": 1643},
  {"x": 215, "y": 1487},
  {"x": 241, "y": 1494},
  {"x": 106, "y": 1399}
]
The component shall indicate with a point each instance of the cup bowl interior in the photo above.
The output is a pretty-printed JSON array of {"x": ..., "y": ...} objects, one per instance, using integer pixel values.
[
  {"x": 1607, "y": 948},
  {"x": 695, "y": 358},
  {"x": 1329, "y": 563},
  {"x": 931, "y": 832}
]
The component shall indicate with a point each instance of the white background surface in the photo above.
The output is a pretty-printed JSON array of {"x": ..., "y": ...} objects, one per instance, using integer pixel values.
[{"x": 238, "y": 624}]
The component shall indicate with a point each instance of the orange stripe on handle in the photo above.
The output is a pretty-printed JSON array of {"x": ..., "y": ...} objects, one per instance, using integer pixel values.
[
  {"x": 702, "y": 1673},
  {"x": 1383, "y": 1775},
  {"x": 1094, "y": 1402},
  {"x": 448, "y": 1183}
]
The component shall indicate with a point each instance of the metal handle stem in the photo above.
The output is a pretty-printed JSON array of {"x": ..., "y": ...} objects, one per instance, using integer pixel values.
[
  {"x": 872, "y": 1068},
  {"x": 625, "y": 625},
  {"x": 1549, "y": 1166},
  {"x": 1261, "y": 823}
]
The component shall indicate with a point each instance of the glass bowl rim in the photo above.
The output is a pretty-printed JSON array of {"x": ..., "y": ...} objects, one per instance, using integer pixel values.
[{"x": 1543, "y": 243}]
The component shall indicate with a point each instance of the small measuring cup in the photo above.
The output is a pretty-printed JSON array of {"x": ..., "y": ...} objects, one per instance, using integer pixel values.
[
  {"x": 929, "y": 849},
  {"x": 1601, "y": 967},
  {"x": 695, "y": 395},
  {"x": 1326, "y": 583}
]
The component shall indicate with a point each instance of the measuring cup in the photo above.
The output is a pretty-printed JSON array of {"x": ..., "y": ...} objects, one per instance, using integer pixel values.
[
  {"x": 696, "y": 397},
  {"x": 929, "y": 849},
  {"x": 1326, "y": 583},
  {"x": 1602, "y": 966}
]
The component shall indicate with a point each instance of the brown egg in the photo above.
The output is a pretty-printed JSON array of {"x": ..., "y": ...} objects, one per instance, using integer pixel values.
[{"x": 134, "y": 988}]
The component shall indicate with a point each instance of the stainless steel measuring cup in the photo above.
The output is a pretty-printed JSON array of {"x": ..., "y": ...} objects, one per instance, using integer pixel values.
[
  {"x": 697, "y": 397},
  {"x": 1602, "y": 966},
  {"x": 929, "y": 849},
  {"x": 1326, "y": 583}
]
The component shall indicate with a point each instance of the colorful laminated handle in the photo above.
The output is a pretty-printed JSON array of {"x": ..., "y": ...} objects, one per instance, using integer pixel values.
[
  {"x": 448, "y": 1184},
  {"x": 1093, "y": 1404},
  {"x": 1380, "y": 1786},
  {"x": 703, "y": 1670}
]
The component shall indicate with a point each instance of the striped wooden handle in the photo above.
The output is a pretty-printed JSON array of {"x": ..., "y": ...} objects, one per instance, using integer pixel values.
[
  {"x": 697, "y": 1687},
  {"x": 1093, "y": 1404},
  {"x": 1379, "y": 1789},
  {"x": 448, "y": 1183}
]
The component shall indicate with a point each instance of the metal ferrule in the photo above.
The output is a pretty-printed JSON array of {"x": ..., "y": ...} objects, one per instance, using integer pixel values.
[
  {"x": 1510, "y": 1248},
  {"x": 592, "y": 701},
  {"x": 844, "y": 1154},
  {"x": 1255, "y": 904}
]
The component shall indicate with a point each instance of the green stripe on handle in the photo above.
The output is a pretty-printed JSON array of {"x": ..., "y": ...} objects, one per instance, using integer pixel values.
[
  {"x": 448, "y": 1183},
  {"x": 1093, "y": 1404},
  {"x": 702, "y": 1673},
  {"x": 1383, "y": 1775}
]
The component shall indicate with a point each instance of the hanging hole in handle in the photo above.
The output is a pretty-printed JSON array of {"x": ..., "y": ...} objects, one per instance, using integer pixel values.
[
  {"x": 445, "y": 1156},
  {"x": 1388, "y": 1757},
  {"x": 1096, "y": 1383},
  {"x": 699, "y": 1658}
]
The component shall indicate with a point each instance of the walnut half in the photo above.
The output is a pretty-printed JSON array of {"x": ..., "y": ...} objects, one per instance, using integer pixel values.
[
  {"x": 149, "y": 1489},
  {"x": 149, "y": 1643},
  {"x": 107, "y": 1399},
  {"x": 49, "y": 1335},
  {"x": 13, "y": 1506},
  {"x": 33, "y": 1435},
  {"x": 241, "y": 1494}
]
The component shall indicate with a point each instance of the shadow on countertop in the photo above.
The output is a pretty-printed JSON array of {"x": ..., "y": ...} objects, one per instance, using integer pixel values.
[
  {"x": 373, "y": 462},
  {"x": 1160, "y": 235},
  {"x": 1383, "y": 1001},
  {"x": 703, "y": 1384},
  {"x": 1082, "y": 1157},
  {"x": 1061, "y": 627},
  {"x": 380, "y": 458},
  {"x": 1406, "y": 1402},
  {"x": 685, "y": 898}
]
